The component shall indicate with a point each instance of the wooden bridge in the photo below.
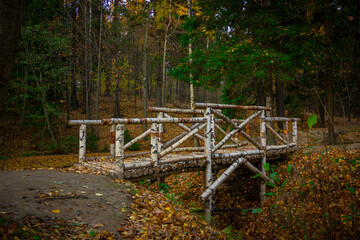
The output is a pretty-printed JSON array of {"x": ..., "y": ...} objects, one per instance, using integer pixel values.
[{"x": 244, "y": 144}]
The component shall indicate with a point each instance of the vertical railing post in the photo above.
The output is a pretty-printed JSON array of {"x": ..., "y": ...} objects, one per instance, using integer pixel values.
[
  {"x": 161, "y": 132},
  {"x": 112, "y": 141},
  {"x": 286, "y": 133},
  {"x": 160, "y": 137},
  {"x": 213, "y": 131},
  {"x": 154, "y": 144},
  {"x": 119, "y": 150},
  {"x": 263, "y": 161},
  {"x": 294, "y": 132},
  {"x": 82, "y": 143},
  {"x": 208, "y": 171}
]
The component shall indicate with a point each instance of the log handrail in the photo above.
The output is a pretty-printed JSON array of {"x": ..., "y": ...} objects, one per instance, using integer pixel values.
[{"x": 204, "y": 157}]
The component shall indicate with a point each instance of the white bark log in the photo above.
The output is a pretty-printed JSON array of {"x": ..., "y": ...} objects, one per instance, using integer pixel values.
[
  {"x": 119, "y": 150},
  {"x": 251, "y": 140},
  {"x": 211, "y": 189},
  {"x": 175, "y": 139},
  {"x": 151, "y": 120},
  {"x": 281, "y": 119},
  {"x": 208, "y": 170},
  {"x": 153, "y": 144},
  {"x": 229, "y": 106},
  {"x": 286, "y": 132},
  {"x": 235, "y": 140},
  {"x": 175, "y": 110},
  {"x": 181, "y": 141},
  {"x": 232, "y": 133},
  {"x": 263, "y": 161},
  {"x": 257, "y": 171},
  {"x": 294, "y": 132},
  {"x": 138, "y": 138},
  {"x": 183, "y": 126},
  {"x": 275, "y": 133},
  {"x": 82, "y": 143},
  {"x": 112, "y": 141},
  {"x": 81, "y": 122},
  {"x": 281, "y": 147}
]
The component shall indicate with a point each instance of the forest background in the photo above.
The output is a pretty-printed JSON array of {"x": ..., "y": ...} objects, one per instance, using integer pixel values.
[{"x": 295, "y": 56}]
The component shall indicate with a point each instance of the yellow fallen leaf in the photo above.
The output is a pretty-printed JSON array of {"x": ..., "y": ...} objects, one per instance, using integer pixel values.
[
  {"x": 123, "y": 210},
  {"x": 57, "y": 211},
  {"x": 99, "y": 194}
]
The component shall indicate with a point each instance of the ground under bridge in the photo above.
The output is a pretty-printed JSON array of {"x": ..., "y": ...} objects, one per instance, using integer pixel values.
[{"x": 218, "y": 142}]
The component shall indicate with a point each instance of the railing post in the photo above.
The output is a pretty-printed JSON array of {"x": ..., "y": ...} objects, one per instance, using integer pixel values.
[
  {"x": 263, "y": 161},
  {"x": 208, "y": 171},
  {"x": 154, "y": 144},
  {"x": 119, "y": 150},
  {"x": 112, "y": 141},
  {"x": 160, "y": 146},
  {"x": 294, "y": 130},
  {"x": 286, "y": 133},
  {"x": 82, "y": 143},
  {"x": 161, "y": 132},
  {"x": 213, "y": 135}
]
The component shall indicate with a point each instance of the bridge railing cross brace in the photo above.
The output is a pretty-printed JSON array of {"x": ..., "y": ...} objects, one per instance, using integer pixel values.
[{"x": 212, "y": 150}]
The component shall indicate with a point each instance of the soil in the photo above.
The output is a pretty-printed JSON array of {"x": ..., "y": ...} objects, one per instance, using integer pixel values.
[{"x": 81, "y": 198}]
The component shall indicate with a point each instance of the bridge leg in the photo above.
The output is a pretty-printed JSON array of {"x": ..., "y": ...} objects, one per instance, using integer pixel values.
[
  {"x": 208, "y": 171},
  {"x": 161, "y": 130},
  {"x": 119, "y": 150},
  {"x": 82, "y": 143},
  {"x": 294, "y": 131},
  {"x": 263, "y": 161},
  {"x": 112, "y": 141}
]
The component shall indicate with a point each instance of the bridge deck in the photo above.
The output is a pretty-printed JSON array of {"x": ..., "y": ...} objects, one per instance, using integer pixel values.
[
  {"x": 165, "y": 156},
  {"x": 139, "y": 168}
]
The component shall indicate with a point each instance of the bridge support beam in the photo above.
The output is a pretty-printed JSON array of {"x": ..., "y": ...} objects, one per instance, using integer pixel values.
[
  {"x": 263, "y": 161},
  {"x": 112, "y": 141},
  {"x": 82, "y": 143},
  {"x": 119, "y": 150},
  {"x": 208, "y": 171}
]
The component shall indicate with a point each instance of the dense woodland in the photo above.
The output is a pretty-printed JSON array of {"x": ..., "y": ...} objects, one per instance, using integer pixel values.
[
  {"x": 67, "y": 59},
  {"x": 295, "y": 56}
]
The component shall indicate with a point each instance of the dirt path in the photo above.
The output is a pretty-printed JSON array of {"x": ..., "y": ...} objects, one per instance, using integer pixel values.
[{"x": 80, "y": 198}]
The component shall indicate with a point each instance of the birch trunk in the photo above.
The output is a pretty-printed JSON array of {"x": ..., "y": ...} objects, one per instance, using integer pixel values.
[
  {"x": 208, "y": 170},
  {"x": 98, "y": 71},
  {"x": 192, "y": 99}
]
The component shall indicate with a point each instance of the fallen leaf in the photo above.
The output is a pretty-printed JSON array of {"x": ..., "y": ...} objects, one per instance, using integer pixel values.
[
  {"x": 99, "y": 194},
  {"x": 98, "y": 225},
  {"x": 68, "y": 209},
  {"x": 57, "y": 211}
]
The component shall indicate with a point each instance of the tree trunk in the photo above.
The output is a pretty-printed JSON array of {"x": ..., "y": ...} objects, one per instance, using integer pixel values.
[
  {"x": 329, "y": 80},
  {"x": 144, "y": 72},
  {"x": 356, "y": 70},
  {"x": 164, "y": 64},
  {"x": 117, "y": 93},
  {"x": 11, "y": 15},
  {"x": 280, "y": 99},
  {"x": 74, "y": 102},
  {"x": 261, "y": 95},
  {"x": 158, "y": 91},
  {"x": 192, "y": 100},
  {"x": 98, "y": 68},
  {"x": 108, "y": 81}
]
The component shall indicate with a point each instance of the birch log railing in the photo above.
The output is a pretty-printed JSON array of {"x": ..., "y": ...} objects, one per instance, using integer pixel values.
[{"x": 219, "y": 148}]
